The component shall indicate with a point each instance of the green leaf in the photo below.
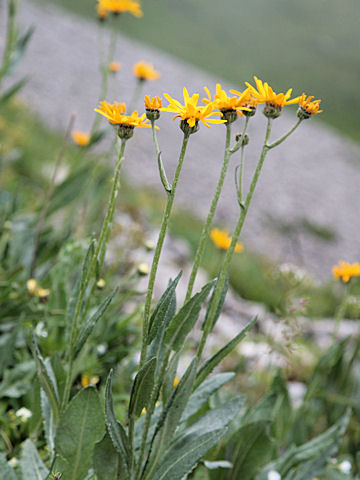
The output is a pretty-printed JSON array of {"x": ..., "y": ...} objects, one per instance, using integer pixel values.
[
  {"x": 252, "y": 448},
  {"x": 164, "y": 310},
  {"x": 59, "y": 372},
  {"x": 19, "y": 50},
  {"x": 142, "y": 388},
  {"x": 169, "y": 377},
  {"x": 89, "y": 324},
  {"x": 80, "y": 427},
  {"x": 11, "y": 91},
  {"x": 219, "y": 305},
  {"x": 48, "y": 421},
  {"x": 47, "y": 382},
  {"x": 107, "y": 461},
  {"x": 6, "y": 472},
  {"x": 87, "y": 264},
  {"x": 17, "y": 380},
  {"x": 209, "y": 366},
  {"x": 185, "y": 319},
  {"x": 115, "y": 429},
  {"x": 170, "y": 417},
  {"x": 32, "y": 467},
  {"x": 324, "y": 445},
  {"x": 96, "y": 137},
  {"x": 181, "y": 459}
]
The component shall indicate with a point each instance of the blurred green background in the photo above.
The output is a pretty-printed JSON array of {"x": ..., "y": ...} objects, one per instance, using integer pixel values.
[{"x": 310, "y": 45}]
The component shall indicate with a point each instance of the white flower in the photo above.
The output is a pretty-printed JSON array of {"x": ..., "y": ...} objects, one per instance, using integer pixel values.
[
  {"x": 101, "y": 349},
  {"x": 24, "y": 414},
  {"x": 345, "y": 467},
  {"x": 40, "y": 330},
  {"x": 13, "y": 462},
  {"x": 273, "y": 475}
]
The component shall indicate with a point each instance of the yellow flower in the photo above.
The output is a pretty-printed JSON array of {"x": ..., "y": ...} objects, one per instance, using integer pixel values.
[
  {"x": 35, "y": 290},
  {"x": 114, "y": 67},
  {"x": 145, "y": 71},
  {"x": 86, "y": 380},
  {"x": 82, "y": 139},
  {"x": 263, "y": 93},
  {"x": 225, "y": 103},
  {"x": 115, "y": 114},
  {"x": 153, "y": 103},
  {"x": 222, "y": 240},
  {"x": 102, "y": 13},
  {"x": 308, "y": 106},
  {"x": 176, "y": 381},
  {"x": 190, "y": 111},
  {"x": 121, "y": 6},
  {"x": 345, "y": 271}
]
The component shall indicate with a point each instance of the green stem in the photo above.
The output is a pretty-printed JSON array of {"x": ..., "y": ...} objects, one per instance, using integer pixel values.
[
  {"x": 162, "y": 172},
  {"x": 101, "y": 248},
  {"x": 206, "y": 229},
  {"x": 284, "y": 137},
  {"x": 158, "y": 248},
  {"x": 10, "y": 38},
  {"x": 234, "y": 240},
  {"x": 341, "y": 311},
  {"x": 240, "y": 194}
]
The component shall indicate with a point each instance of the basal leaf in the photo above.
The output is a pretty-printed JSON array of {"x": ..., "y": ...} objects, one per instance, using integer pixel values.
[
  {"x": 142, "y": 388},
  {"x": 31, "y": 465}
]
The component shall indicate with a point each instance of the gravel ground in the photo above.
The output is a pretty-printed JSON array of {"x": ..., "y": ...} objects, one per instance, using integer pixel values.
[{"x": 314, "y": 175}]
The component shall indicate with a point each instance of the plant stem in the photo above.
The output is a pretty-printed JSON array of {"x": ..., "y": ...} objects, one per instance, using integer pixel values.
[
  {"x": 100, "y": 249},
  {"x": 10, "y": 37},
  {"x": 158, "y": 248},
  {"x": 284, "y": 137},
  {"x": 341, "y": 312},
  {"x": 206, "y": 228},
  {"x": 242, "y": 162},
  {"x": 225, "y": 266}
]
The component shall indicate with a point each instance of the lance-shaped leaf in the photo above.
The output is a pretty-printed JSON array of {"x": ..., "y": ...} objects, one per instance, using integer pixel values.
[
  {"x": 219, "y": 305},
  {"x": 185, "y": 319},
  {"x": 107, "y": 461},
  {"x": 213, "y": 361},
  {"x": 80, "y": 427},
  {"x": 19, "y": 50},
  {"x": 164, "y": 310},
  {"x": 88, "y": 326},
  {"x": 115, "y": 429},
  {"x": 32, "y": 467},
  {"x": 6, "y": 472},
  {"x": 47, "y": 382},
  {"x": 142, "y": 388},
  {"x": 48, "y": 422}
]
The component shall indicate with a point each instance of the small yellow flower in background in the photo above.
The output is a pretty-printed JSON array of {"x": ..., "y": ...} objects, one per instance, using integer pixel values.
[
  {"x": 191, "y": 111},
  {"x": 308, "y": 107},
  {"x": 86, "y": 380},
  {"x": 346, "y": 271},
  {"x": 145, "y": 71},
  {"x": 176, "y": 381},
  {"x": 225, "y": 103},
  {"x": 35, "y": 290},
  {"x": 143, "y": 411},
  {"x": 153, "y": 103},
  {"x": 121, "y": 6},
  {"x": 82, "y": 139},
  {"x": 222, "y": 240},
  {"x": 100, "y": 283},
  {"x": 114, "y": 67},
  {"x": 143, "y": 269},
  {"x": 115, "y": 114}
]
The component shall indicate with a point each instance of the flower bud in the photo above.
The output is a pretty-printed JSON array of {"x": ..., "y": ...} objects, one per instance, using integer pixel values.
[
  {"x": 152, "y": 114},
  {"x": 272, "y": 111},
  {"x": 125, "y": 131},
  {"x": 185, "y": 127},
  {"x": 230, "y": 115}
]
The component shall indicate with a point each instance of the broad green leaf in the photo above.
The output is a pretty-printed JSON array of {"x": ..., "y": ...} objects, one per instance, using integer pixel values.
[
  {"x": 17, "y": 380},
  {"x": 142, "y": 388},
  {"x": 252, "y": 447},
  {"x": 179, "y": 460},
  {"x": 47, "y": 383},
  {"x": 115, "y": 429},
  {"x": 59, "y": 373},
  {"x": 185, "y": 319},
  {"x": 107, "y": 462},
  {"x": 324, "y": 445},
  {"x": 48, "y": 422},
  {"x": 171, "y": 417},
  {"x": 31, "y": 465},
  {"x": 89, "y": 324},
  {"x": 6, "y": 472},
  {"x": 201, "y": 395},
  {"x": 209, "y": 366},
  {"x": 80, "y": 427},
  {"x": 164, "y": 310},
  {"x": 219, "y": 305}
]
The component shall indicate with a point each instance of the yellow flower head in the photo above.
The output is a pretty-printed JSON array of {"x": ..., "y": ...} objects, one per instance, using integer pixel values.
[
  {"x": 222, "y": 240},
  {"x": 345, "y": 271},
  {"x": 114, "y": 67},
  {"x": 145, "y": 71},
  {"x": 308, "y": 106},
  {"x": 224, "y": 103},
  {"x": 35, "y": 290},
  {"x": 115, "y": 114},
  {"x": 274, "y": 102},
  {"x": 153, "y": 103},
  {"x": 102, "y": 13},
  {"x": 121, "y": 6},
  {"x": 190, "y": 111},
  {"x": 82, "y": 139}
]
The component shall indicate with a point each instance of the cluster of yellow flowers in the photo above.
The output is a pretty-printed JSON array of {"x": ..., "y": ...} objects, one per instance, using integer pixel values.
[
  {"x": 222, "y": 240},
  {"x": 104, "y": 7},
  {"x": 35, "y": 290},
  {"x": 346, "y": 271}
]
